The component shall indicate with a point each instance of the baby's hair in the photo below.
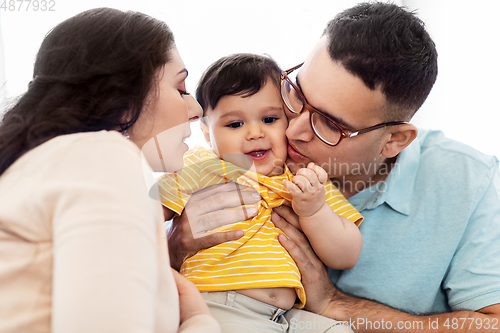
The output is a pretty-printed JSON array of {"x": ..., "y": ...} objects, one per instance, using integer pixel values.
[{"x": 242, "y": 74}]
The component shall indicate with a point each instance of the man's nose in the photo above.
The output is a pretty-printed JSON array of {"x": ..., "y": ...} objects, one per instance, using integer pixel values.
[{"x": 299, "y": 127}]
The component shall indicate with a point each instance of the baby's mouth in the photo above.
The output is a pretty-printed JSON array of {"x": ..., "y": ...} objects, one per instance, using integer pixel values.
[{"x": 258, "y": 154}]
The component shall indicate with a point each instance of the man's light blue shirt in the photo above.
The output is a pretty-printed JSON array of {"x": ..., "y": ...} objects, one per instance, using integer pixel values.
[{"x": 431, "y": 234}]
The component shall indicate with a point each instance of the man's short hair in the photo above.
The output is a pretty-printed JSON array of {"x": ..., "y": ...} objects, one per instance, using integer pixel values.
[
  {"x": 242, "y": 74},
  {"x": 387, "y": 47}
]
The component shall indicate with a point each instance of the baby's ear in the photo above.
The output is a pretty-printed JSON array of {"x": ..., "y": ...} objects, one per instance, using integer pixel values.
[{"x": 205, "y": 130}]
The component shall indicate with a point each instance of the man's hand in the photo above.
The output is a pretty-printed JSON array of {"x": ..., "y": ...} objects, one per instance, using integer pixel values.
[
  {"x": 315, "y": 277},
  {"x": 205, "y": 211}
]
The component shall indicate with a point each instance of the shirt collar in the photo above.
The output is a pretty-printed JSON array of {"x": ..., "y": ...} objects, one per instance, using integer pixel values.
[{"x": 397, "y": 189}]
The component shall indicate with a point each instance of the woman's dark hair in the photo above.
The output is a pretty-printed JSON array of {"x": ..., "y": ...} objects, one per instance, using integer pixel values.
[
  {"x": 93, "y": 72},
  {"x": 237, "y": 74},
  {"x": 387, "y": 47}
]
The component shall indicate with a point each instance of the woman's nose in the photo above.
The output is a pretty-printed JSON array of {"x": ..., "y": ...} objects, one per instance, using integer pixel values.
[{"x": 194, "y": 109}]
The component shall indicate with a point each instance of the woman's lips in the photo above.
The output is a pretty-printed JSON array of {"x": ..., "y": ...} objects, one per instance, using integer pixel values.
[
  {"x": 258, "y": 154},
  {"x": 184, "y": 141},
  {"x": 187, "y": 134}
]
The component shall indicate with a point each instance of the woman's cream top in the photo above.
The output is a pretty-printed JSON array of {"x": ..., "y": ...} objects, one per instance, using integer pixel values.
[{"x": 82, "y": 245}]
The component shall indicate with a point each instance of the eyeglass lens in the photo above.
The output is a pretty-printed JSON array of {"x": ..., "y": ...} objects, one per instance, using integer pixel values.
[{"x": 321, "y": 125}]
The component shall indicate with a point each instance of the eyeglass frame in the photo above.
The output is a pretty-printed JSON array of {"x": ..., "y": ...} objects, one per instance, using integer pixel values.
[{"x": 344, "y": 133}]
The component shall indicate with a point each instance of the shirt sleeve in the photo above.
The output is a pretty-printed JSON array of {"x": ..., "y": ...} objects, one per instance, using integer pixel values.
[
  {"x": 339, "y": 204},
  {"x": 106, "y": 267},
  {"x": 473, "y": 278}
]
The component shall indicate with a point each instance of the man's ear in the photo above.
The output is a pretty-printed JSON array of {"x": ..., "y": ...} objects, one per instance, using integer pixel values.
[
  {"x": 400, "y": 137},
  {"x": 205, "y": 130}
]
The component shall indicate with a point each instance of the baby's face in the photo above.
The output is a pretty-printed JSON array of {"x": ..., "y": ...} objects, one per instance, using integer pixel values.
[{"x": 250, "y": 129}]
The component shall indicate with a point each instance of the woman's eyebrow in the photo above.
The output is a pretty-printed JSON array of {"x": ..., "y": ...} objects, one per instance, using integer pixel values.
[{"x": 336, "y": 119}]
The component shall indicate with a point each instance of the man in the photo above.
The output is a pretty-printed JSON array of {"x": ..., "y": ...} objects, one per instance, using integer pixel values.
[{"x": 430, "y": 258}]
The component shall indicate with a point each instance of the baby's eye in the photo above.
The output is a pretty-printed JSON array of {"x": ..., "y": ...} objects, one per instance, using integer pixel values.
[
  {"x": 235, "y": 124},
  {"x": 269, "y": 120},
  {"x": 183, "y": 92}
]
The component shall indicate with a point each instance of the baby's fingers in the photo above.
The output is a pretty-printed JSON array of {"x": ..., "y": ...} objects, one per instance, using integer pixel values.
[
  {"x": 307, "y": 177},
  {"x": 319, "y": 171},
  {"x": 292, "y": 188},
  {"x": 305, "y": 184}
]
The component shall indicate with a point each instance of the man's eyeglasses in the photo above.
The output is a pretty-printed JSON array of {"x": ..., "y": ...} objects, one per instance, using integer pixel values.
[{"x": 325, "y": 128}]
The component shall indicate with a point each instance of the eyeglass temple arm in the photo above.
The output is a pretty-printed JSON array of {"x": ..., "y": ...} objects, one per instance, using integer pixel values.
[
  {"x": 288, "y": 71},
  {"x": 391, "y": 123}
]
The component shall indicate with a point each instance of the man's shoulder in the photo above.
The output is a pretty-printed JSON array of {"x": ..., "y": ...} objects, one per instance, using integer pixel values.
[{"x": 438, "y": 150}]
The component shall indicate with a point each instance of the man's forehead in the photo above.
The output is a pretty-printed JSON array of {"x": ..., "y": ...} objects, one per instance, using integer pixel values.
[
  {"x": 330, "y": 87},
  {"x": 319, "y": 49}
]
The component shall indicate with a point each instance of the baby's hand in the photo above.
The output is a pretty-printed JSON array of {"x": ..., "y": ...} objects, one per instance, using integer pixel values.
[{"x": 307, "y": 190}]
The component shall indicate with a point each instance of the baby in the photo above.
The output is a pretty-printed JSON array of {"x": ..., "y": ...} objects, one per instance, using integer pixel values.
[{"x": 244, "y": 124}]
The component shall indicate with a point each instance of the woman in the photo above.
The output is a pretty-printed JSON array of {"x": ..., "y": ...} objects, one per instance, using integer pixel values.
[{"x": 82, "y": 247}]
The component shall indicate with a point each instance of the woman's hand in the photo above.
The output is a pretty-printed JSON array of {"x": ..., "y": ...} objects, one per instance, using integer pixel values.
[
  {"x": 190, "y": 301},
  {"x": 205, "y": 211},
  {"x": 318, "y": 287}
]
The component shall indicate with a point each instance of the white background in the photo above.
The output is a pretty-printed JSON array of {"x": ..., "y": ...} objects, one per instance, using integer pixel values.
[{"x": 463, "y": 103}]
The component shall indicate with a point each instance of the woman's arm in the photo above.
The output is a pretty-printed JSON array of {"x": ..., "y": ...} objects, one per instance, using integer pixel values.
[
  {"x": 111, "y": 272},
  {"x": 106, "y": 267},
  {"x": 195, "y": 315}
]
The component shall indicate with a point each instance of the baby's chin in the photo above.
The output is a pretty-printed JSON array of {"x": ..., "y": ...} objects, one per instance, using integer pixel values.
[
  {"x": 267, "y": 168},
  {"x": 274, "y": 169},
  {"x": 241, "y": 160}
]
